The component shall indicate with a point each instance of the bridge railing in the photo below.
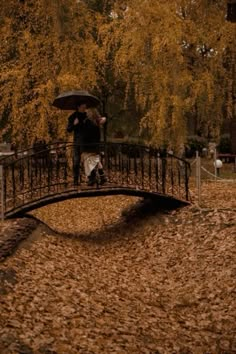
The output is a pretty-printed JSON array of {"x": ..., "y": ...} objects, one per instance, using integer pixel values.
[{"x": 32, "y": 175}]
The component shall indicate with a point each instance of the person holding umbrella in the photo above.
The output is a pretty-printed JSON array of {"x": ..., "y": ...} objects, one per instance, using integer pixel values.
[{"x": 86, "y": 132}]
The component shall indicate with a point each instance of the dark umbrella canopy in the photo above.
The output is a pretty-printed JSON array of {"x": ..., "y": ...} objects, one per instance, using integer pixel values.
[{"x": 71, "y": 99}]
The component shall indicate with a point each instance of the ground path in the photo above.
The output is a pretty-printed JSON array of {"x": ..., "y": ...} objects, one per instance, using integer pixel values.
[{"x": 140, "y": 281}]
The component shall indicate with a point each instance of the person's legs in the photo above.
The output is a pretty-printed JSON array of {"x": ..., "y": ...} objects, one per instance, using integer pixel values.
[
  {"x": 103, "y": 178},
  {"x": 90, "y": 161},
  {"x": 76, "y": 165},
  {"x": 92, "y": 178}
]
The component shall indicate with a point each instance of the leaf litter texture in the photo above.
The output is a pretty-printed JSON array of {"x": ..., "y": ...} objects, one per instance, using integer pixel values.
[{"x": 110, "y": 281}]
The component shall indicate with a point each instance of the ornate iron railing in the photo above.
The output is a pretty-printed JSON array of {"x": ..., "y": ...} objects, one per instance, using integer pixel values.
[{"x": 32, "y": 175}]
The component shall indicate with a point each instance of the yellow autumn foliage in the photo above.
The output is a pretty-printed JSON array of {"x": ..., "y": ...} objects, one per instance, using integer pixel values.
[
  {"x": 175, "y": 60},
  {"x": 48, "y": 48},
  {"x": 178, "y": 57}
]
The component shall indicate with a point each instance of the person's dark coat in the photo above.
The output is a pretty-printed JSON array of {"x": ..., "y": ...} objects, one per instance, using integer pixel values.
[
  {"x": 86, "y": 132},
  {"x": 76, "y": 128}
]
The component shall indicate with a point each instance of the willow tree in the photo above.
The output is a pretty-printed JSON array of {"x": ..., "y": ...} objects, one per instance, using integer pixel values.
[
  {"x": 112, "y": 91},
  {"x": 48, "y": 47},
  {"x": 173, "y": 56}
]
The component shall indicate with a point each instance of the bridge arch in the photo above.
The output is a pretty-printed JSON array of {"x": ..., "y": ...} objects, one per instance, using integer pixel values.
[
  {"x": 163, "y": 200},
  {"x": 32, "y": 179}
]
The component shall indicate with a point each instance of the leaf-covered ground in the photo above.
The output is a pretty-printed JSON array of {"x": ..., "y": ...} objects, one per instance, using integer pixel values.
[{"x": 117, "y": 277}]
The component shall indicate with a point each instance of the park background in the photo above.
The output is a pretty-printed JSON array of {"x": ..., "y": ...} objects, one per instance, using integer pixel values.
[
  {"x": 117, "y": 274},
  {"x": 164, "y": 71}
]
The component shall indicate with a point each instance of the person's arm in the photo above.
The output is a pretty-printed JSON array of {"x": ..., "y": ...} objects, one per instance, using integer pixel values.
[{"x": 72, "y": 122}]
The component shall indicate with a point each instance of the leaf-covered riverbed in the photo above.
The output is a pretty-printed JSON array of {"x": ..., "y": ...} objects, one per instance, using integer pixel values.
[{"x": 117, "y": 277}]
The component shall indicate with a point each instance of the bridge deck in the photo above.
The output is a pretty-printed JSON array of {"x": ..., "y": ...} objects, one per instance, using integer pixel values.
[{"x": 86, "y": 192}]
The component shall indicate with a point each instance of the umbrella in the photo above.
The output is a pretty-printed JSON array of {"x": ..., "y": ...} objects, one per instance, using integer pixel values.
[{"x": 71, "y": 99}]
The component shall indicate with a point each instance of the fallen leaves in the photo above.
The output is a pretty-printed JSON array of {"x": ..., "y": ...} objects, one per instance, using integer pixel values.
[{"x": 126, "y": 282}]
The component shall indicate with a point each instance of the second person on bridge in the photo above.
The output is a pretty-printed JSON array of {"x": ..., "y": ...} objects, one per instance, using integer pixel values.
[{"x": 86, "y": 127}]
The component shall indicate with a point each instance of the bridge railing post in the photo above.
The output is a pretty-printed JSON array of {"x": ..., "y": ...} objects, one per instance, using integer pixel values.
[
  {"x": 186, "y": 181},
  {"x": 2, "y": 190},
  {"x": 198, "y": 177},
  {"x": 163, "y": 173}
]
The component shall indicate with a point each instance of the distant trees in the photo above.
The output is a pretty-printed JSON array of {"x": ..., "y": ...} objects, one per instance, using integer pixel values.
[
  {"x": 46, "y": 46},
  {"x": 177, "y": 57},
  {"x": 164, "y": 62}
]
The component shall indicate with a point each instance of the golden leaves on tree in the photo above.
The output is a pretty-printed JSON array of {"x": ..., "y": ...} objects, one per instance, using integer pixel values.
[{"x": 175, "y": 59}]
